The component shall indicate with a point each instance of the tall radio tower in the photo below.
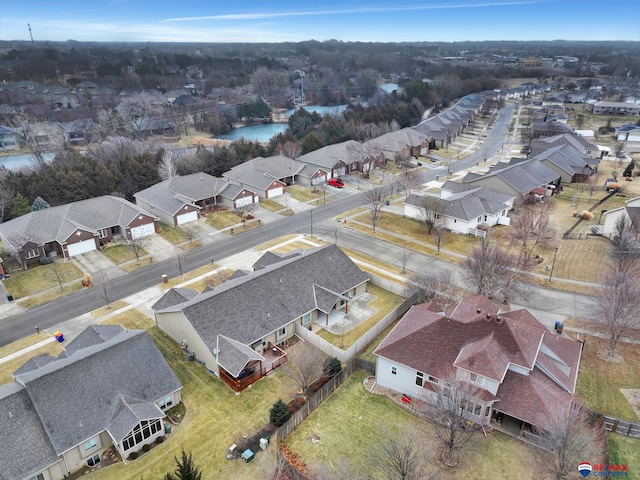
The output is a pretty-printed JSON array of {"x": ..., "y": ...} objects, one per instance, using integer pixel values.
[{"x": 31, "y": 35}]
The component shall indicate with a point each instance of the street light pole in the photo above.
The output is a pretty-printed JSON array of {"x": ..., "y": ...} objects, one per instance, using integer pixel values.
[
  {"x": 553, "y": 264},
  {"x": 311, "y": 216}
]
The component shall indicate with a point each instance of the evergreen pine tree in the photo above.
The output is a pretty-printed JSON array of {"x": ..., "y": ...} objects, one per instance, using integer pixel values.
[
  {"x": 185, "y": 469},
  {"x": 279, "y": 413},
  {"x": 20, "y": 206}
]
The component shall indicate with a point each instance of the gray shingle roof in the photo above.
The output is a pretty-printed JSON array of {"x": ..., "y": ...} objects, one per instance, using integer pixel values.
[
  {"x": 128, "y": 412},
  {"x": 174, "y": 296},
  {"x": 522, "y": 177},
  {"x": 172, "y": 194},
  {"x": 233, "y": 356},
  {"x": 75, "y": 395},
  {"x": 328, "y": 156},
  {"x": 26, "y": 449},
  {"x": 249, "y": 308},
  {"x": 271, "y": 258},
  {"x": 58, "y": 223}
]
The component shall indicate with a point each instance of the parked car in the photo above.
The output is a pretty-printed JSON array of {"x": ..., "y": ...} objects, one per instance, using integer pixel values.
[{"x": 335, "y": 182}]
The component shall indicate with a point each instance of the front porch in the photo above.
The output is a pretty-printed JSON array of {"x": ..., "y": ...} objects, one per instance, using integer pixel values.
[{"x": 274, "y": 356}]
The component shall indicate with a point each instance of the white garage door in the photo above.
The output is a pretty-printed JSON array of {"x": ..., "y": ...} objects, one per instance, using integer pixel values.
[
  {"x": 81, "y": 247},
  {"x": 274, "y": 192},
  {"x": 241, "y": 202},
  {"x": 143, "y": 230},
  {"x": 187, "y": 217}
]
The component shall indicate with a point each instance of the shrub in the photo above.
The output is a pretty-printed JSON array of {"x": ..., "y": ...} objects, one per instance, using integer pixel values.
[
  {"x": 159, "y": 440},
  {"x": 331, "y": 366},
  {"x": 45, "y": 260},
  {"x": 279, "y": 413},
  {"x": 146, "y": 447},
  {"x": 132, "y": 456}
]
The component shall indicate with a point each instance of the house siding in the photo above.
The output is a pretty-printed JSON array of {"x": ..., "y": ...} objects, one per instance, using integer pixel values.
[
  {"x": 403, "y": 381},
  {"x": 165, "y": 216}
]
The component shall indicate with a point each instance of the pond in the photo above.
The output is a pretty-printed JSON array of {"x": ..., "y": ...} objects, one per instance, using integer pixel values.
[{"x": 264, "y": 132}]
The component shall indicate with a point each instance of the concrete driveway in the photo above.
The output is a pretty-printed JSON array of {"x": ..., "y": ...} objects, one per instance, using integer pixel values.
[
  {"x": 160, "y": 248},
  {"x": 97, "y": 265}
]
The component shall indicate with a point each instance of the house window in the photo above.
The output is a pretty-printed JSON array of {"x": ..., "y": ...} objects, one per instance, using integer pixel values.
[
  {"x": 102, "y": 233},
  {"x": 394, "y": 371},
  {"x": 94, "y": 460},
  {"x": 33, "y": 253},
  {"x": 38, "y": 477},
  {"x": 446, "y": 390},
  {"x": 479, "y": 219},
  {"x": 89, "y": 444},
  {"x": 433, "y": 379},
  {"x": 487, "y": 411},
  {"x": 419, "y": 378},
  {"x": 306, "y": 319},
  {"x": 477, "y": 409},
  {"x": 141, "y": 432},
  {"x": 165, "y": 402},
  {"x": 282, "y": 332},
  {"x": 477, "y": 379}
]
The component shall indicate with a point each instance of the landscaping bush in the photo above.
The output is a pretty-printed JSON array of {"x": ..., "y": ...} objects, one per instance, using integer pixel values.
[
  {"x": 318, "y": 384},
  {"x": 331, "y": 366},
  {"x": 45, "y": 260},
  {"x": 146, "y": 447},
  {"x": 159, "y": 440},
  {"x": 132, "y": 456},
  {"x": 279, "y": 413}
]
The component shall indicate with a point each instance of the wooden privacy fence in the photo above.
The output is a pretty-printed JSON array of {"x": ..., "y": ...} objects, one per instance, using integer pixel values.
[
  {"x": 591, "y": 209},
  {"x": 615, "y": 425}
]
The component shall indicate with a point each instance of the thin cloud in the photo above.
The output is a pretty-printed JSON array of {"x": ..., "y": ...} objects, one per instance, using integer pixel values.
[{"x": 304, "y": 13}]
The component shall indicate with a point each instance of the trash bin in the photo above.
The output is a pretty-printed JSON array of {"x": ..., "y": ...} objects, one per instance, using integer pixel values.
[
  {"x": 9, "y": 297},
  {"x": 264, "y": 442},
  {"x": 558, "y": 327},
  {"x": 165, "y": 279},
  {"x": 59, "y": 336},
  {"x": 167, "y": 428}
]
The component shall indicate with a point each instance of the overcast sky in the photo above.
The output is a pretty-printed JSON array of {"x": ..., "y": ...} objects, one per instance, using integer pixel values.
[{"x": 348, "y": 20}]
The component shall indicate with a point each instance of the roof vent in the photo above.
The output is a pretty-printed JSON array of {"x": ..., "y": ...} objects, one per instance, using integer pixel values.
[
  {"x": 280, "y": 280},
  {"x": 498, "y": 319},
  {"x": 488, "y": 316},
  {"x": 478, "y": 311},
  {"x": 269, "y": 314}
]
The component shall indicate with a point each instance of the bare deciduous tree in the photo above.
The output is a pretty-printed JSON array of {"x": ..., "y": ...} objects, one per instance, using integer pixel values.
[
  {"x": 59, "y": 274},
  {"x": 101, "y": 283},
  {"x": 190, "y": 230},
  {"x": 408, "y": 180},
  {"x": 432, "y": 286},
  {"x": 404, "y": 257},
  {"x": 448, "y": 414},
  {"x": 531, "y": 228},
  {"x": 432, "y": 213},
  {"x": 571, "y": 439},
  {"x": 181, "y": 261},
  {"x": 167, "y": 167},
  {"x": 401, "y": 455},
  {"x": 137, "y": 246},
  {"x": 374, "y": 202},
  {"x": 40, "y": 139},
  {"x": 493, "y": 272},
  {"x": 304, "y": 364}
]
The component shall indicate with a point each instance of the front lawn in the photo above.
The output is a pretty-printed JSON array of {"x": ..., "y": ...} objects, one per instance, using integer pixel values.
[
  {"x": 600, "y": 381},
  {"x": 383, "y": 304},
  {"x": 39, "y": 278},
  {"x": 9, "y": 367},
  {"x": 215, "y": 418},
  {"x": 624, "y": 450},
  {"x": 175, "y": 235},
  {"x": 271, "y": 205},
  {"x": 303, "y": 193},
  {"x": 189, "y": 275},
  {"x": 223, "y": 219},
  {"x": 349, "y": 424},
  {"x": 120, "y": 253}
]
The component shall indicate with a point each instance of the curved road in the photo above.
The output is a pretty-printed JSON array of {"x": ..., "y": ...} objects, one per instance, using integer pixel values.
[{"x": 76, "y": 304}]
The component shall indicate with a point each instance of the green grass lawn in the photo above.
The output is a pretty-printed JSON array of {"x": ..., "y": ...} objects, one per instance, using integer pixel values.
[
  {"x": 175, "y": 235},
  {"x": 600, "y": 381},
  {"x": 39, "y": 278},
  {"x": 384, "y": 302},
  {"x": 625, "y": 450},
  {"x": 365, "y": 417},
  {"x": 223, "y": 219},
  {"x": 120, "y": 253},
  {"x": 215, "y": 418}
]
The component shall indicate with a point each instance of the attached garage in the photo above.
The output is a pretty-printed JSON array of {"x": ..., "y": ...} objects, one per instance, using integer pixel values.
[
  {"x": 143, "y": 230},
  {"x": 243, "y": 201},
  {"x": 338, "y": 172},
  {"x": 187, "y": 217},
  {"x": 275, "y": 192},
  {"x": 81, "y": 247}
]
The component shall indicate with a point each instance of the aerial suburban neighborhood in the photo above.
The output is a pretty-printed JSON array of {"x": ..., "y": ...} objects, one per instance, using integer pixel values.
[{"x": 427, "y": 268}]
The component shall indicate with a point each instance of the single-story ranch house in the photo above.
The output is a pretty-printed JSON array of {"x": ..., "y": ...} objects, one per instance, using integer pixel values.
[
  {"x": 236, "y": 329},
  {"x": 74, "y": 228},
  {"x": 179, "y": 200},
  {"x": 110, "y": 386},
  {"x": 466, "y": 207},
  {"x": 520, "y": 370}
]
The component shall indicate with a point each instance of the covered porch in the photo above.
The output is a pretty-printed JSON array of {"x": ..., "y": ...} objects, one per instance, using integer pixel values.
[{"x": 273, "y": 355}]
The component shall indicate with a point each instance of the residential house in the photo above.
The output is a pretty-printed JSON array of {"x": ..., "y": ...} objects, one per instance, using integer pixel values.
[
  {"x": 615, "y": 108},
  {"x": 74, "y": 228},
  {"x": 629, "y": 132},
  {"x": 409, "y": 141},
  {"x": 179, "y": 200},
  {"x": 7, "y": 139},
  {"x": 80, "y": 132},
  {"x": 110, "y": 386},
  {"x": 236, "y": 328},
  {"x": 520, "y": 179},
  {"x": 579, "y": 142},
  {"x": 516, "y": 371},
  {"x": 466, "y": 207},
  {"x": 568, "y": 162},
  {"x": 337, "y": 159},
  {"x": 266, "y": 176},
  {"x": 630, "y": 211},
  {"x": 548, "y": 128}
]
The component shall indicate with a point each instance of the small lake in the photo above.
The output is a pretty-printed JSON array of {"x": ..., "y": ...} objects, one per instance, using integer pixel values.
[
  {"x": 265, "y": 132},
  {"x": 19, "y": 160}
]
